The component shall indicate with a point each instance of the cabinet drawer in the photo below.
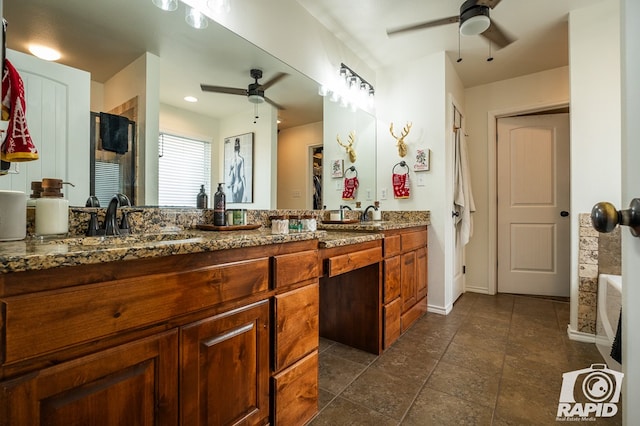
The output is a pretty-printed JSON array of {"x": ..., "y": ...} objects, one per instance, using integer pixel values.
[
  {"x": 391, "y": 278},
  {"x": 294, "y": 268},
  {"x": 295, "y": 325},
  {"x": 348, "y": 262},
  {"x": 391, "y": 245},
  {"x": 414, "y": 240},
  {"x": 295, "y": 392},
  {"x": 392, "y": 312},
  {"x": 43, "y": 322}
]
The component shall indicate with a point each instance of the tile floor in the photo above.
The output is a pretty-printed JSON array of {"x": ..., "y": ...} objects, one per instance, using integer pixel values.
[{"x": 494, "y": 360}]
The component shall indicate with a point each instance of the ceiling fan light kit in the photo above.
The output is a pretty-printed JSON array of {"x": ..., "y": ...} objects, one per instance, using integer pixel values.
[{"x": 474, "y": 21}]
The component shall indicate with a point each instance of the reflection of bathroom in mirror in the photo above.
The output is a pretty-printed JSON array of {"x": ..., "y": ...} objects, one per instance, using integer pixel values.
[
  {"x": 340, "y": 122},
  {"x": 136, "y": 50}
]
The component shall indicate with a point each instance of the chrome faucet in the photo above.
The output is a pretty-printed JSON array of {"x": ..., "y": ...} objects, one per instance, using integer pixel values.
[{"x": 110, "y": 220}]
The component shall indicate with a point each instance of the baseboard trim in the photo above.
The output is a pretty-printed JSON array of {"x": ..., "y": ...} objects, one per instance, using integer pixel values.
[
  {"x": 440, "y": 310},
  {"x": 579, "y": 336}
]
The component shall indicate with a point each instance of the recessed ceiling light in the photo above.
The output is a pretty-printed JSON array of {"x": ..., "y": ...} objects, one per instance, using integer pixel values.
[
  {"x": 191, "y": 99},
  {"x": 43, "y": 52}
]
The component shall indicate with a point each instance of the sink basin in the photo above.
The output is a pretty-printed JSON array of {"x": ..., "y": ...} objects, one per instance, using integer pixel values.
[{"x": 116, "y": 240}]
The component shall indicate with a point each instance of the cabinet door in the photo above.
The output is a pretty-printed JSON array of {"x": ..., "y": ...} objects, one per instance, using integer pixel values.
[
  {"x": 408, "y": 280},
  {"x": 225, "y": 368},
  {"x": 391, "y": 278},
  {"x": 421, "y": 272},
  {"x": 132, "y": 384}
]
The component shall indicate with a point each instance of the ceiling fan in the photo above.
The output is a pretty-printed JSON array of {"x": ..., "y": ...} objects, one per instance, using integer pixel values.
[
  {"x": 255, "y": 91},
  {"x": 474, "y": 20}
]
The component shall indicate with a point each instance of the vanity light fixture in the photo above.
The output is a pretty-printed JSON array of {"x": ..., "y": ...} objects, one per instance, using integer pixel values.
[
  {"x": 351, "y": 89},
  {"x": 195, "y": 18},
  {"x": 168, "y": 5},
  {"x": 44, "y": 52},
  {"x": 219, "y": 5}
]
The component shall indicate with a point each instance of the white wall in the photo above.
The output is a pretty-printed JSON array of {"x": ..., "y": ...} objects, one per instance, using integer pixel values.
[
  {"x": 141, "y": 78},
  {"x": 265, "y": 153},
  {"x": 294, "y": 151},
  {"x": 594, "y": 58},
  {"x": 483, "y": 103},
  {"x": 416, "y": 92},
  {"x": 287, "y": 31}
]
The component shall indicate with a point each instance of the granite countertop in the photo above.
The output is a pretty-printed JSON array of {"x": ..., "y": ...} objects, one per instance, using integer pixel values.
[
  {"x": 372, "y": 226},
  {"x": 343, "y": 238},
  {"x": 37, "y": 254}
]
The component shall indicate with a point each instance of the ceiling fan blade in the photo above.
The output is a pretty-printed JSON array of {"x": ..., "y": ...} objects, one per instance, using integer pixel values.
[
  {"x": 221, "y": 89},
  {"x": 497, "y": 35},
  {"x": 276, "y": 78},
  {"x": 489, "y": 3},
  {"x": 278, "y": 106},
  {"x": 423, "y": 25}
]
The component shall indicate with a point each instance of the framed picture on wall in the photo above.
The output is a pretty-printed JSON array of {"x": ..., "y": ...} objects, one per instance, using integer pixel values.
[
  {"x": 336, "y": 168},
  {"x": 238, "y": 168},
  {"x": 423, "y": 159}
]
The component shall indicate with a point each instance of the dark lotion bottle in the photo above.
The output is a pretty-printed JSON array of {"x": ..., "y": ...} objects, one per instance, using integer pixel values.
[
  {"x": 219, "y": 206},
  {"x": 202, "y": 201}
]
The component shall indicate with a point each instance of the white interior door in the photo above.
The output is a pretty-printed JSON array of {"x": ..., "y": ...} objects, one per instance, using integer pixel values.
[
  {"x": 533, "y": 203},
  {"x": 57, "y": 101}
]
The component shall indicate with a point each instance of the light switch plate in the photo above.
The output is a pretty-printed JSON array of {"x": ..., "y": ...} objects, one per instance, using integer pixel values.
[
  {"x": 383, "y": 194},
  {"x": 420, "y": 179}
]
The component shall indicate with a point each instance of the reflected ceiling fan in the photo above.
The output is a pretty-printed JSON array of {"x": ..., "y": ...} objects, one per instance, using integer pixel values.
[
  {"x": 255, "y": 91},
  {"x": 474, "y": 20}
]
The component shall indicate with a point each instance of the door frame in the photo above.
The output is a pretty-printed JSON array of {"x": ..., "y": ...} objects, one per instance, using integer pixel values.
[{"x": 492, "y": 166}]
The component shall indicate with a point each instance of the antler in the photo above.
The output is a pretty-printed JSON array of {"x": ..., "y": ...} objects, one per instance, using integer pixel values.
[
  {"x": 402, "y": 146},
  {"x": 349, "y": 147}
]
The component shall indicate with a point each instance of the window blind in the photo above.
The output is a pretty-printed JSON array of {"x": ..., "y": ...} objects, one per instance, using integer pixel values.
[
  {"x": 108, "y": 181},
  {"x": 183, "y": 165}
]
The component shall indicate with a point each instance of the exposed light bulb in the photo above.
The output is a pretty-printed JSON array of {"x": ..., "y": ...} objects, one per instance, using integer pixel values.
[
  {"x": 195, "y": 18},
  {"x": 168, "y": 5}
]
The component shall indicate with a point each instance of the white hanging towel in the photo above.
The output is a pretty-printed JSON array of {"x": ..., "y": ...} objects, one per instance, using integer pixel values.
[{"x": 463, "y": 203}]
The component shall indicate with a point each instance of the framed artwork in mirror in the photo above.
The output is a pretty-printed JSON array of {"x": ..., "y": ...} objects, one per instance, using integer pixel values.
[{"x": 238, "y": 168}]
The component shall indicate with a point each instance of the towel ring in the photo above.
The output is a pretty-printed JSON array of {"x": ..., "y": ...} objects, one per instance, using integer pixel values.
[
  {"x": 351, "y": 169},
  {"x": 401, "y": 164}
]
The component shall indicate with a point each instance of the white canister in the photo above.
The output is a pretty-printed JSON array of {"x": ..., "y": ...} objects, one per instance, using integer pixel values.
[
  {"x": 13, "y": 215},
  {"x": 52, "y": 216}
]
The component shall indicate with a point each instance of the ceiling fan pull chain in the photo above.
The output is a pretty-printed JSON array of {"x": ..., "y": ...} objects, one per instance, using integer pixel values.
[
  {"x": 459, "y": 57},
  {"x": 490, "y": 58}
]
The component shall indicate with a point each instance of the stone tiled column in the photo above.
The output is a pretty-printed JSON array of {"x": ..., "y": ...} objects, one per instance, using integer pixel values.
[{"x": 587, "y": 275}]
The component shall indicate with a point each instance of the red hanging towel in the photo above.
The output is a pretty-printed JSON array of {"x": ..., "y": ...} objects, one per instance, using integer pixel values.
[
  {"x": 17, "y": 145},
  {"x": 350, "y": 186},
  {"x": 401, "y": 185}
]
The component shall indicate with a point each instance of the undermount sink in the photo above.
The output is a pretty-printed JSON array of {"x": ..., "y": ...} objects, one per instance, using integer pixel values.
[{"x": 116, "y": 240}]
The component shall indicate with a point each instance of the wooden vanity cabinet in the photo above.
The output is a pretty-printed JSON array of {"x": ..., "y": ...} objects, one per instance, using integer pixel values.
[
  {"x": 131, "y": 384},
  {"x": 295, "y": 306},
  {"x": 184, "y": 339},
  {"x": 405, "y": 280}
]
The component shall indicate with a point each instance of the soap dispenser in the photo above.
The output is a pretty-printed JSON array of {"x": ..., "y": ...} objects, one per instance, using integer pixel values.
[
  {"x": 202, "y": 200},
  {"x": 219, "y": 206}
]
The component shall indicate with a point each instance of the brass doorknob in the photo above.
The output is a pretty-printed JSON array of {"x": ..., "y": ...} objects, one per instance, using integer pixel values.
[{"x": 605, "y": 217}]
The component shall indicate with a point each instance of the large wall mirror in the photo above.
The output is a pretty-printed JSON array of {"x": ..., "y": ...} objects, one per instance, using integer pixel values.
[{"x": 106, "y": 37}]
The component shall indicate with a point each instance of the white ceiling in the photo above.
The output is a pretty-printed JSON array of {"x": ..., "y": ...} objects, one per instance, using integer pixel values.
[
  {"x": 104, "y": 36},
  {"x": 540, "y": 27}
]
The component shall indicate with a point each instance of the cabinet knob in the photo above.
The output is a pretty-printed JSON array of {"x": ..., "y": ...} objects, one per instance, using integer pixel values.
[{"x": 605, "y": 217}]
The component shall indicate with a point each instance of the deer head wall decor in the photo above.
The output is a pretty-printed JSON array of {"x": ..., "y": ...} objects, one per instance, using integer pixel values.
[
  {"x": 349, "y": 146},
  {"x": 402, "y": 145}
]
